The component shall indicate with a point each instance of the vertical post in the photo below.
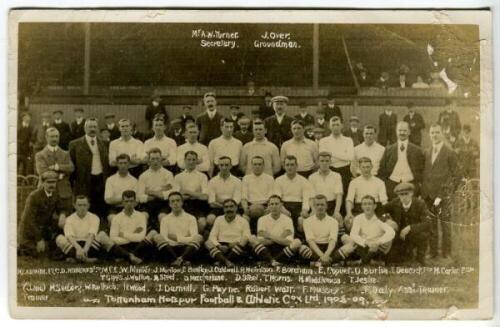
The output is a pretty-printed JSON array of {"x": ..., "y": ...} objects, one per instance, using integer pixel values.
[
  {"x": 315, "y": 56},
  {"x": 86, "y": 60}
]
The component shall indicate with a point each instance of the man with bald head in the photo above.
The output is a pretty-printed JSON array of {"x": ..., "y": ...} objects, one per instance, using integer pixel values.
[
  {"x": 52, "y": 157},
  {"x": 402, "y": 161}
]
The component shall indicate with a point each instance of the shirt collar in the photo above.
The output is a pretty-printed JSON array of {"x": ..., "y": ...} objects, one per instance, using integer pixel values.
[
  {"x": 408, "y": 205},
  {"x": 79, "y": 120},
  {"x": 47, "y": 193},
  {"x": 52, "y": 148},
  {"x": 405, "y": 143},
  {"x": 90, "y": 138},
  {"x": 58, "y": 121},
  {"x": 388, "y": 112},
  {"x": 112, "y": 125},
  {"x": 212, "y": 113},
  {"x": 438, "y": 146}
]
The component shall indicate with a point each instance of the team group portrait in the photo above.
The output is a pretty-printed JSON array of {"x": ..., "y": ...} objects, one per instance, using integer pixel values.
[{"x": 327, "y": 146}]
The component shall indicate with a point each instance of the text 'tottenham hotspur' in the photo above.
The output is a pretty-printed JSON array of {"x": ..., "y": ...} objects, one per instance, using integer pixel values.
[{"x": 222, "y": 39}]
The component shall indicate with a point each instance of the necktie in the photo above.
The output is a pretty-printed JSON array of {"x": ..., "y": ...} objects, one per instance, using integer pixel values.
[
  {"x": 92, "y": 142},
  {"x": 402, "y": 147}
]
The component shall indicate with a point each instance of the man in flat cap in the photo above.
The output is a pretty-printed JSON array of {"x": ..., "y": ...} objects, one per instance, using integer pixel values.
[
  {"x": 209, "y": 121},
  {"x": 40, "y": 219},
  {"x": 78, "y": 125},
  {"x": 412, "y": 223},
  {"x": 63, "y": 128},
  {"x": 112, "y": 127},
  {"x": 279, "y": 125},
  {"x": 353, "y": 131}
]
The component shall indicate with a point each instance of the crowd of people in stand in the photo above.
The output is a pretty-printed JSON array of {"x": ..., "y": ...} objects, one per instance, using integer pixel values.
[{"x": 270, "y": 187}]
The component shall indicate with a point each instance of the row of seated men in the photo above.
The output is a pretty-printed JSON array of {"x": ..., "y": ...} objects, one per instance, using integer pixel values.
[
  {"x": 332, "y": 167},
  {"x": 176, "y": 239}
]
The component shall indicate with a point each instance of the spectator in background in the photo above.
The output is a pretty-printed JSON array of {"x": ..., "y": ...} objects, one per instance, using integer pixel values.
[
  {"x": 403, "y": 80},
  {"x": 138, "y": 134},
  {"x": 244, "y": 134},
  {"x": 40, "y": 140},
  {"x": 209, "y": 121},
  {"x": 111, "y": 126},
  {"x": 266, "y": 109},
  {"x": 331, "y": 109},
  {"x": 26, "y": 137},
  {"x": 417, "y": 124},
  {"x": 320, "y": 120},
  {"x": 63, "y": 128},
  {"x": 279, "y": 125},
  {"x": 420, "y": 84},
  {"x": 362, "y": 75},
  {"x": 78, "y": 125},
  {"x": 255, "y": 115},
  {"x": 235, "y": 114},
  {"x": 155, "y": 107},
  {"x": 105, "y": 136},
  {"x": 468, "y": 152},
  {"x": 450, "y": 121},
  {"x": 436, "y": 82},
  {"x": 176, "y": 131},
  {"x": 309, "y": 132},
  {"x": 304, "y": 115},
  {"x": 353, "y": 131},
  {"x": 319, "y": 133},
  {"x": 383, "y": 81},
  {"x": 186, "y": 115},
  {"x": 387, "y": 126}
]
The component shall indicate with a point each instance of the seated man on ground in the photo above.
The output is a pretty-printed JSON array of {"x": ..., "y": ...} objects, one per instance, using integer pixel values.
[
  {"x": 127, "y": 238},
  {"x": 80, "y": 229},
  {"x": 275, "y": 240},
  {"x": 178, "y": 239},
  {"x": 372, "y": 237},
  {"x": 229, "y": 236}
]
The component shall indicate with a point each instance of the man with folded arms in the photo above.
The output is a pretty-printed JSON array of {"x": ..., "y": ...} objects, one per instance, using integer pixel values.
[
  {"x": 80, "y": 230},
  {"x": 178, "y": 239},
  {"x": 229, "y": 236},
  {"x": 275, "y": 241},
  {"x": 193, "y": 185}
]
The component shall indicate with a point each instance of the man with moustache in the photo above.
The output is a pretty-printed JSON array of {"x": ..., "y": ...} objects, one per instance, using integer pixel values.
[
  {"x": 402, "y": 161},
  {"x": 278, "y": 126},
  {"x": 52, "y": 157},
  {"x": 209, "y": 121},
  {"x": 89, "y": 155}
]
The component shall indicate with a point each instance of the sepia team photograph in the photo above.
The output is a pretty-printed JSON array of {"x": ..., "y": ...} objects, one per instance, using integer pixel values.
[{"x": 222, "y": 163}]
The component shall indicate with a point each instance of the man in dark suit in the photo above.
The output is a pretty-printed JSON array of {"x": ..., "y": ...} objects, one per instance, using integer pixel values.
[
  {"x": 266, "y": 108},
  {"x": 331, "y": 109},
  {"x": 90, "y": 157},
  {"x": 185, "y": 117},
  {"x": 40, "y": 140},
  {"x": 155, "y": 107},
  {"x": 209, "y": 121},
  {"x": 353, "y": 131},
  {"x": 235, "y": 114},
  {"x": 450, "y": 118},
  {"x": 78, "y": 125},
  {"x": 26, "y": 137},
  {"x": 40, "y": 218},
  {"x": 52, "y": 157},
  {"x": 303, "y": 115},
  {"x": 440, "y": 180},
  {"x": 412, "y": 224},
  {"x": 402, "y": 161},
  {"x": 387, "y": 126},
  {"x": 417, "y": 124},
  {"x": 63, "y": 128},
  {"x": 112, "y": 127},
  {"x": 279, "y": 125}
]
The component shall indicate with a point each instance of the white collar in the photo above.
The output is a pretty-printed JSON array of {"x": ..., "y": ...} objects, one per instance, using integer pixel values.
[
  {"x": 90, "y": 138},
  {"x": 407, "y": 206},
  {"x": 110, "y": 125},
  {"x": 405, "y": 143},
  {"x": 212, "y": 113},
  {"x": 79, "y": 120},
  {"x": 437, "y": 146},
  {"x": 57, "y": 121},
  {"x": 47, "y": 193},
  {"x": 52, "y": 148}
]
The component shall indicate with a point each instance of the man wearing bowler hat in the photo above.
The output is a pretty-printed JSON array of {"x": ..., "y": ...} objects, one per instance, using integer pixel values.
[{"x": 279, "y": 125}]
